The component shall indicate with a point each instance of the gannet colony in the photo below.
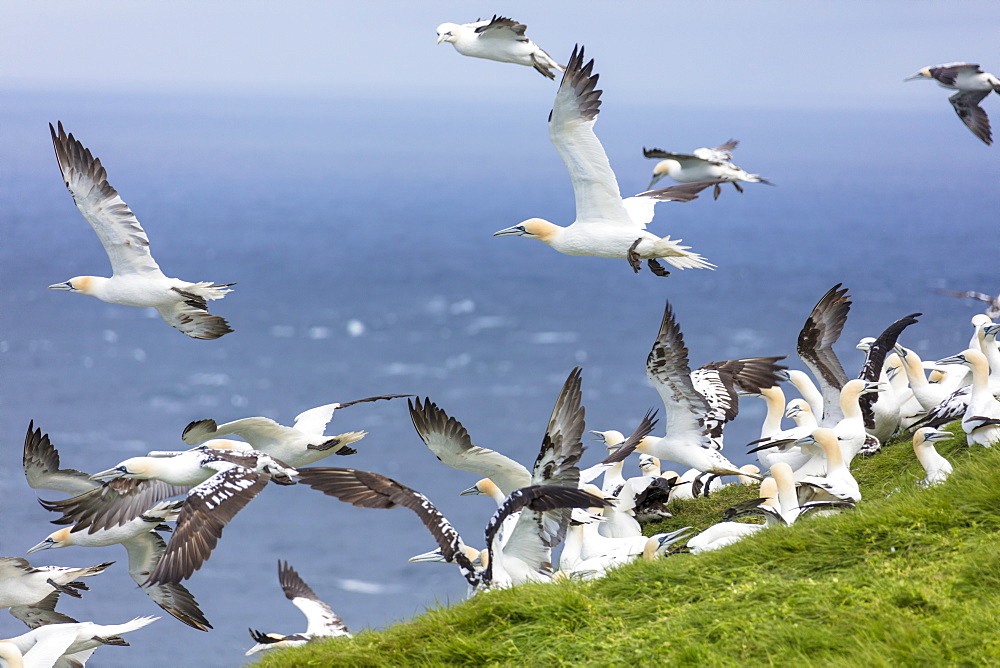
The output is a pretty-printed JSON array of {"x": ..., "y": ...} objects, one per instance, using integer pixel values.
[{"x": 168, "y": 509}]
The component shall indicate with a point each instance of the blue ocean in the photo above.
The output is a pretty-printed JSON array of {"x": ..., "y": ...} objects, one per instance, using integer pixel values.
[{"x": 358, "y": 232}]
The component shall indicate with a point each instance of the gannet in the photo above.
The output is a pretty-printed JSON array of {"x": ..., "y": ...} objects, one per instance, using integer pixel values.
[
  {"x": 44, "y": 645},
  {"x": 972, "y": 85},
  {"x": 556, "y": 464},
  {"x": 838, "y": 484},
  {"x": 992, "y": 303},
  {"x": 981, "y": 420},
  {"x": 935, "y": 466},
  {"x": 605, "y": 225},
  {"x": 695, "y": 418},
  {"x": 720, "y": 535},
  {"x": 321, "y": 620},
  {"x": 500, "y": 39},
  {"x": 298, "y": 445},
  {"x": 144, "y": 547},
  {"x": 515, "y": 563},
  {"x": 24, "y": 584},
  {"x": 881, "y": 424},
  {"x": 702, "y": 164},
  {"x": 136, "y": 279},
  {"x": 223, "y": 484}
]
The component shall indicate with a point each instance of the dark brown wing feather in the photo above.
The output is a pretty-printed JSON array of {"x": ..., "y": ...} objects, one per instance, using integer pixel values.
[{"x": 207, "y": 510}]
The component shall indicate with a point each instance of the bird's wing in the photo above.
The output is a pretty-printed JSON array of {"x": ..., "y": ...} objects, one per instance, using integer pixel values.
[
  {"x": 41, "y": 466},
  {"x": 207, "y": 509},
  {"x": 257, "y": 431},
  {"x": 571, "y": 129},
  {"x": 752, "y": 374},
  {"x": 815, "y": 347},
  {"x": 558, "y": 460},
  {"x": 951, "y": 408},
  {"x": 660, "y": 154},
  {"x": 365, "y": 489},
  {"x": 314, "y": 420},
  {"x": 642, "y": 207},
  {"x": 13, "y": 567},
  {"x": 51, "y": 642},
  {"x": 321, "y": 620},
  {"x": 715, "y": 383},
  {"x": 948, "y": 72},
  {"x": 191, "y": 316},
  {"x": 41, "y": 612},
  {"x": 449, "y": 441},
  {"x": 501, "y": 27},
  {"x": 966, "y": 104},
  {"x": 525, "y": 544},
  {"x": 116, "y": 226},
  {"x": 144, "y": 553},
  {"x": 113, "y": 504},
  {"x": 667, "y": 367}
]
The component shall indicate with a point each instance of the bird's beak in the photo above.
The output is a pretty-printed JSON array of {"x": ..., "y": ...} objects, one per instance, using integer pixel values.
[
  {"x": 44, "y": 545},
  {"x": 654, "y": 181},
  {"x": 669, "y": 539},
  {"x": 954, "y": 359},
  {"x": 472, "y": 491},
  {"x": 61, "y": 286},
  {"x": 441, "y": 38},
  {"x": 918, "y": 75},
  {"x": 434, "y": 556},
  {"x": 516, "y": 231},
  {"x": 106, "y": 475}
]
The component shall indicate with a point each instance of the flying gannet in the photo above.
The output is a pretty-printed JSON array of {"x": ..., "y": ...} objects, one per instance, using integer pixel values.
[
  {"x": 500, "y": 39},
  {"x": 972, "y": 85},
  {"x": 697, "y": 405},
  {"x": 605, "y": 225},
  {"x": 136, "y": 279},
  {"x": 223, "y": 484},
  {"x": 992, "y": 303},
  {"x": 298, "y": 445},
  {"x": 43, "y": 646},
  {"x": 702, "y": 164},
  {"x": 24, "y": 584},
  {"x": 365, "y": 489},
  {"x": 321, "y": 620}
]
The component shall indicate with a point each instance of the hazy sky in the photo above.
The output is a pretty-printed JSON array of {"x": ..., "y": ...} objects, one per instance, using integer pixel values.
[{"x": 827, "y": 54}]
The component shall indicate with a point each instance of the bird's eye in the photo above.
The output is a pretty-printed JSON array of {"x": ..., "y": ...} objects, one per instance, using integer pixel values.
[{"x": 123, "y": 469}]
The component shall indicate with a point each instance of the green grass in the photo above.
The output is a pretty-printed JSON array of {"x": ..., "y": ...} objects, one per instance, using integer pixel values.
[{"x": 910, "y": 577}]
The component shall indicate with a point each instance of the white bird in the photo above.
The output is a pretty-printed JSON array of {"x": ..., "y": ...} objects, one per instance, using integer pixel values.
[
  {"x": 136, "y": 279},
  {"x": 43, "y": 646},
  {"x": 815, "y": 348},
  {"x": 605, "y": 225},
  {"x": 24, "y": 584},
  {"x": 935, "y": 466},
  {"x": 321, "y": 620},
  {"x": 838, "y": 484},
  {"x": 298, "y": 445},
  {"x": 981, "y": 420},
  {"x": 720, "y": 535},
  {"x": 500, "y": 39},
  {"x": 696, "y": 412},
  {"x": 702, "y": 164},
  {"x": 972, "y": 85}
]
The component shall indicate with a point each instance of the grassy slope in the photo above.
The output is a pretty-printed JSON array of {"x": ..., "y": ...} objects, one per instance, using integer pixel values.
[{"x": 912, "y": 577}]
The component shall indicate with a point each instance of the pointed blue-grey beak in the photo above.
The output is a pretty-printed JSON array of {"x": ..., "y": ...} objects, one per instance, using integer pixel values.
[
  {"x": 516, "y": 231},
  {"x": 61, "y": 286},
  {"x": 471, "y": 491}
]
